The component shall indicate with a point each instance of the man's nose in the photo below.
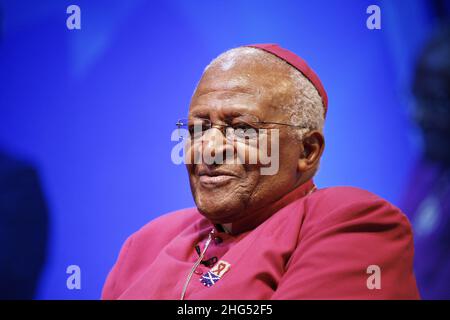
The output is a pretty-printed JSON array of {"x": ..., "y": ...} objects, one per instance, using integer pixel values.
[{"x": 215, "y": 146}]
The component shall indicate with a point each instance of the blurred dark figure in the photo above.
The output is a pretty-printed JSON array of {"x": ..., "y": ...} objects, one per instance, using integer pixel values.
[
  {"x": 427, "y": 200},
  {"x": 23, "y": 229}
]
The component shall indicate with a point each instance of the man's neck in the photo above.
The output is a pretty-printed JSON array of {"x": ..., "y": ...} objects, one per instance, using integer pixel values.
[{"x": 259, "y": 216}]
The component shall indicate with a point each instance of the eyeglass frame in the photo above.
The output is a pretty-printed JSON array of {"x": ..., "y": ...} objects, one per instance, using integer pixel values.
[{"x": 223, "y": 127}]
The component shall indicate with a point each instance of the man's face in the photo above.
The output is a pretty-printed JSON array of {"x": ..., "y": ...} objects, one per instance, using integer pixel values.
[{"x": 227, "y": 192}]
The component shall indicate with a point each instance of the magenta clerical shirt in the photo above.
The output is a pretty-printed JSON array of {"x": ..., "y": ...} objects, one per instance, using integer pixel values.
[{"x": 331, "y": 243}]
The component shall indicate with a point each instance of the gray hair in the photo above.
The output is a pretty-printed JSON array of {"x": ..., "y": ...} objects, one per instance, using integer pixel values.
[{"x": 305, "y": 106}]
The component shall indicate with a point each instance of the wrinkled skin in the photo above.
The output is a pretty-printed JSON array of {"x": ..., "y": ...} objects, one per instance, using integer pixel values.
[{"x": 241, "y": 195}]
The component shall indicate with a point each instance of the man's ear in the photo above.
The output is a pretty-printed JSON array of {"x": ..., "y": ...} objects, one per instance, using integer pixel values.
[{"x": 312, "y": 146}]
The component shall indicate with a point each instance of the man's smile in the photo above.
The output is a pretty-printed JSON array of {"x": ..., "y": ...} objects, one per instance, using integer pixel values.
[
  {"x": 213, "y": 178},
  {"x": 215, "y": 181}
]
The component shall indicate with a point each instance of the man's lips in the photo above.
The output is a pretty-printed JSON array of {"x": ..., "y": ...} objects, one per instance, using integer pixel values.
[
  {"x": 214, "y": 181},
  {"x": 214, "y": 178}
]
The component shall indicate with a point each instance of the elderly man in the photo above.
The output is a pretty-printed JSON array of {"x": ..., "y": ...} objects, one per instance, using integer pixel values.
[{"x": 255, "y": 235}]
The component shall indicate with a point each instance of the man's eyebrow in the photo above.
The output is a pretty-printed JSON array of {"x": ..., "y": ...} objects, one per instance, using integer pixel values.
[
  {"x": 199, "y": 114},
  {"x": 237, "y": 114},
  {"x": 202, "y": 114}
]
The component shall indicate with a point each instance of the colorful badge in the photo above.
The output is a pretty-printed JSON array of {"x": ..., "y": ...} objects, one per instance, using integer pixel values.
[{"x": 215, "y": 274}]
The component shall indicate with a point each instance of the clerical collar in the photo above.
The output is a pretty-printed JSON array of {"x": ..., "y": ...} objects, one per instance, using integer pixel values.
[{"x": 226, "y": 228}]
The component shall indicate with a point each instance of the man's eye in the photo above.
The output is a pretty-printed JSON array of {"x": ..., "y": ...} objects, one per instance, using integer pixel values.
[
  {"x": 244, "y": 131},
  {"x": 241, "y": 126},
  {"x": 198, "y": 128}
]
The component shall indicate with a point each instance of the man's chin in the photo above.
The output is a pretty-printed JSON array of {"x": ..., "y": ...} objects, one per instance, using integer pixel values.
[
  {"x": 219, "y": 214},
  {"x": 222, "y": 204}
]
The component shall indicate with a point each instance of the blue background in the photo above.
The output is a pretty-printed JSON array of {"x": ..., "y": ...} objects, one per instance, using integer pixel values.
[{"x": 94, "y": 108}]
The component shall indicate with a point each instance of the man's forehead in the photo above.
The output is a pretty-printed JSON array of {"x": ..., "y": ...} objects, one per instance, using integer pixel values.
[
  {"x": 229, "y": 102},
  {"x": 234, "y": 103},
  {"x": 229, "y": 90},
  {"x": 227, "y": 84},
  {"x": 244, "y": 77},
  {"x": 252, "y": 84}
]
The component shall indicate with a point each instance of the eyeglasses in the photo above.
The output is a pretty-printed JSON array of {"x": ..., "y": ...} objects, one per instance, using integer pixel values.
[{"x": 237, "y": 129}]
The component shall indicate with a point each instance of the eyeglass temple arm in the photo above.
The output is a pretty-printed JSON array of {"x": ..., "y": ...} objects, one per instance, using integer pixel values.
[{"x": 284, "y": 124}]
